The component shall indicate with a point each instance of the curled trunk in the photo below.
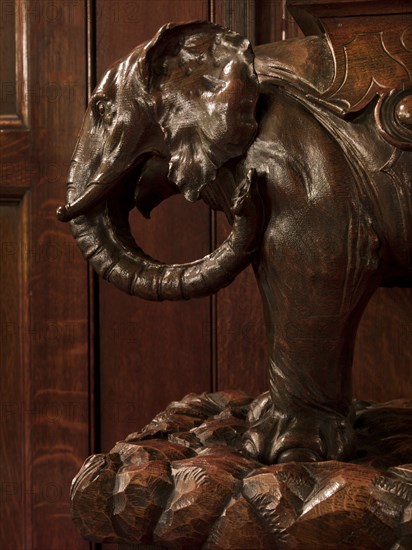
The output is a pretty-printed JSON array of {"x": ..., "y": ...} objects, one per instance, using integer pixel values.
[{"x": 104, "y": 237}]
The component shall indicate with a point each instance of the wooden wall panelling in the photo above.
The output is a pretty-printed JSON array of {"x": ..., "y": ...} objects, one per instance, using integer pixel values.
[
  {"x": 13, "y": 63},
  {"x": 15, "y": 517},
  {"x": 383, "y": 353},
  {"x": 12, "y": 375},
  {"x": 13, "y": 278},
  {"x": 8, "y": 62},
  {"x": 151, "y": 353},
  {"x": 238, "y": 15},
  {"x": 57, "y": 387},
  {"x": 269, "y": 20}
]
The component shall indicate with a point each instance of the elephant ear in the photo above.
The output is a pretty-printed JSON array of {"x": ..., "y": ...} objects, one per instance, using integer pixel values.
[{"x": 205, "y": 89}]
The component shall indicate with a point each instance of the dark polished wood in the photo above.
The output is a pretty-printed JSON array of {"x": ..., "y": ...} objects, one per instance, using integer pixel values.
[
  {"x": 321, "y": 209},
  {"x": 385, "y": 330},
  {"x": 323, "y": 226},
  {"x": 14, "y": 96},
  {"x": 12, "y": 398},
  {"x": 52, "y": 82}
]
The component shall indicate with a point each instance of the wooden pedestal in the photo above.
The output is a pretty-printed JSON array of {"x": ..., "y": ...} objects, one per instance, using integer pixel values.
[{"x": 183, "y": 482}]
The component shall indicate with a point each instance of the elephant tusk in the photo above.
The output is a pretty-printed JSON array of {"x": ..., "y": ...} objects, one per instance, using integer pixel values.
[
  {"x": 95, "y": 194},
  {"x": 105, "y": 240},
  {"x": 63, "y": 214}
]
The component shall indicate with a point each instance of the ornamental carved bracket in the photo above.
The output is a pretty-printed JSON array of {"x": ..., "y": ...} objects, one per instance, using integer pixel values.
[{"x": 371, "y": 45}]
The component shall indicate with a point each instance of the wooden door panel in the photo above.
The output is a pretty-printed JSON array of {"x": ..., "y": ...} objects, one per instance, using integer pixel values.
[
  {"x": 44, "y": 421},
  {"x": 58, "y": 379},
  {"x": 12, "y": 391}
]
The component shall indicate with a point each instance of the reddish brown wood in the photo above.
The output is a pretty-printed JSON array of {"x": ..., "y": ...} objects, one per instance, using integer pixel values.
[
  {"x": 7, "y": 62},
  {"x": 202, "y": 494},
  {"x": 56, "y": 379},
  {"x": 310, "y": 14},
  {"x": 14, "y": 183},
  {"x": 373, "y": 341},
  {"x": 128, "y": 413},
  {"x": 387, "y": 319},
  {"x": 386, "y": 333},
  {"x": 44, "y": 401},
  {"x": 269, "y": 24},
  {"x": 12, "y": 397},
  {"x": 240, "y": 327},
  {"x": 13, "y": 63}
]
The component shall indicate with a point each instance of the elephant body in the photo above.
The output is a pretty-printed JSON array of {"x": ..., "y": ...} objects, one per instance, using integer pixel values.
[
  {"x": 319, "y": 195},
  {"x": 333, "y": 236}
]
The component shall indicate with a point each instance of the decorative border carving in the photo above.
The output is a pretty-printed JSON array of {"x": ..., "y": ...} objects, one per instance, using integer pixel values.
[{"x": 371, "y": 62}]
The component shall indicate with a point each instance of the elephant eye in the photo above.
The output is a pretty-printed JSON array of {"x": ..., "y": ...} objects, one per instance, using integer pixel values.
[{"x": 101, "y": 107}]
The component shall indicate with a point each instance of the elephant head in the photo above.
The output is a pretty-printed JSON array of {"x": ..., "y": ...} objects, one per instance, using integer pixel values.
[{"x": 166, "y": 119}]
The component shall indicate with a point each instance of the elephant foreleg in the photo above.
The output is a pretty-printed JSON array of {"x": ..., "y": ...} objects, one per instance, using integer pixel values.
[{"x": 313, "y": 303}]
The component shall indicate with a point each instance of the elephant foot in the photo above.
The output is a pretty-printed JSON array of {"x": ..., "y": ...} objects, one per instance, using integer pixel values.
[{"x": 307, "y": 435}]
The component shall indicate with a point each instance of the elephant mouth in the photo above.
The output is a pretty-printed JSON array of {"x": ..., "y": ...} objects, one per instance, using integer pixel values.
[
  {"x": 97, "y": 193},
  {"x": 99, "y": 220}
]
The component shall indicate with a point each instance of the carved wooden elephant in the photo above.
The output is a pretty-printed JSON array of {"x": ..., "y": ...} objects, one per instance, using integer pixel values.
[{"x": 318, "y": 189}]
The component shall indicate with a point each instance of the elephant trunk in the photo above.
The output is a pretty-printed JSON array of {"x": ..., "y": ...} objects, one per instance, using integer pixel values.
[
  {"x": 91, "y": 198},
  {"x": 106, "y": 241}
]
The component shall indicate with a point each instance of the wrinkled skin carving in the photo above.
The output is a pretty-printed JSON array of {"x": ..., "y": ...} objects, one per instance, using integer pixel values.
[
  {"x": 143, "y": 139},
  {"x": 318, "y": 219}
]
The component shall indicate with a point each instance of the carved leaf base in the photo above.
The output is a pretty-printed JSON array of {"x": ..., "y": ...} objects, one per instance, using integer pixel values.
[{"x": 182, "y": 483}]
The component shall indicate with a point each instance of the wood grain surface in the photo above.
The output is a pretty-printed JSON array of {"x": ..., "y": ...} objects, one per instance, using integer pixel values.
[
  {"x": 12, "y": 395},
  {"x": 56, "y": 380},
  {"x": 189, "y": 489},
  {"x": 196, "y": 346}
]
